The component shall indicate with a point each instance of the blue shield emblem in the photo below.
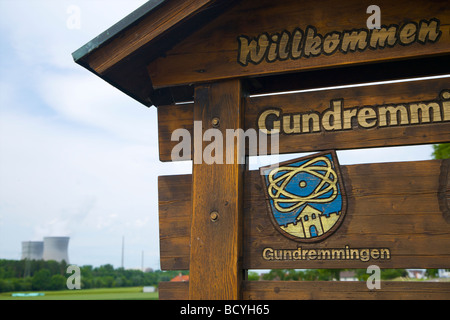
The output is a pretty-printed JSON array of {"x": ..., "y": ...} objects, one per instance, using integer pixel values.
[{"x": 306, "y": 196}]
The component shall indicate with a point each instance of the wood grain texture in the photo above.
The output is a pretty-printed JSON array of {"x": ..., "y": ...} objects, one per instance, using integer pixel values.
[
  {"x": 211, "y": 53},
  {"x": 323, "y": 290},
  {"x": 383, "y": 129},
  {"x": 171, "y": 118},
  {"x": 344, "y": 290},
  {"x": 384, "y": 133},
  {"x": 444, "y": 189},
  {"x": 390, "y": 205},
  {"x": 150, "y": 28},
  {"x": 175, "y": 213},
  {"x": 173, "y": 290},
  {"x": 216, "y": 244}
]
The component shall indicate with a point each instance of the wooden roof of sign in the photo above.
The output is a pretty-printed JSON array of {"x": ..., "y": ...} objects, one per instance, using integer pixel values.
[
  {"x": 157, "y": 52},
  {"x": 120, "y": 55}
]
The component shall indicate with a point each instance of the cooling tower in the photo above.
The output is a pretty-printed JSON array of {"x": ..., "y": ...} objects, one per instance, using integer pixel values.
[
  {"x": 55, "y": 248},
  {"x": 32, "y": 250}
]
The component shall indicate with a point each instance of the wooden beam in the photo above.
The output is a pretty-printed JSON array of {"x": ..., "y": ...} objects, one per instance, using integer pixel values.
[
  {"x": 267, "y": 37},
  {"x": 217, "y": 198},
  {"x": 171, "y": 118},
  {"x": 399, "y": 206},
  {"x": 324, "y": 290},
  {"x": 402, "y": 114},
  {"x": 392, "y": 114},
  {"x": 175, "y": 214},
  {"x": 173, "y": 290},
  {"x": 345, "y": 290},
  {"x": 150, "y": 28}
]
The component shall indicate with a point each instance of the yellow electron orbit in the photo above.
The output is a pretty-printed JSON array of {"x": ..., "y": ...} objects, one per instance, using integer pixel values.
[{"x": 329, "y": 177}]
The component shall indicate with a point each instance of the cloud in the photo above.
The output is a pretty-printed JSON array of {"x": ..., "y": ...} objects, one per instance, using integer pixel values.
[
  {"x": 38, "y": 30},
  {"x": 67, "y": 222},
  {"x": 90, "y": 101}
]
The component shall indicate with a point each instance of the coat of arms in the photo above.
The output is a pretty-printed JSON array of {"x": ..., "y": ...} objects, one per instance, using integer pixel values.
[{"x": 306, "y": 196}]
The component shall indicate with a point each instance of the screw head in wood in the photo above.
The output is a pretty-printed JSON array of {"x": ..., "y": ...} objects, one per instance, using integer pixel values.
[
  {"x": 214, "y": 216},
  {"x": 215, "y": 122}
]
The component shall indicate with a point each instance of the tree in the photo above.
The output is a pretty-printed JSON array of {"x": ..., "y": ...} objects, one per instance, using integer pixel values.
[
  {"x": 41, "y": 280},
  {"x": 252, "y": 276},
  {"x": 6, "y": 285},
  {"x": 57, "y": 282},
  {"x": 386, "y": 274},
  {"x": 441, "y": 151},
  {"x": 432, "y": 273}
]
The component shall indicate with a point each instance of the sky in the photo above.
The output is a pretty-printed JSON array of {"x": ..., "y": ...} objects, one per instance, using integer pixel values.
[{"x": 78, "y": 157}]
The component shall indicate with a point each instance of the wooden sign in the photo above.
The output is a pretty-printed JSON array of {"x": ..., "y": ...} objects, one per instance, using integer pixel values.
[
  {"x": 323, "y": 290},
  {"x": 309, "y": 212},
  {"x": 380, "y": 115},
  {"x": 397, "y": 216},
  {"x": 255, "y": 38},
  {"x": 374, "y": 116}
]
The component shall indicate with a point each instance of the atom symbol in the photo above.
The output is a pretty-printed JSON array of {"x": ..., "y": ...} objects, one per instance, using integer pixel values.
[{"x": 328, "y": 182}]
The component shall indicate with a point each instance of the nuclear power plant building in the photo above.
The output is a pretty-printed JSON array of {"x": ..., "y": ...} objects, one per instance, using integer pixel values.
[
  {"x": 55, "y": 248},
  {"x": 52, "y": 248},
  {"x": 32, "y": 250}
]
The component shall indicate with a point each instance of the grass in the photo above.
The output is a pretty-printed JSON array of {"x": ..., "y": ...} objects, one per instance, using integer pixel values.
[{"x": 129, "y": 293}]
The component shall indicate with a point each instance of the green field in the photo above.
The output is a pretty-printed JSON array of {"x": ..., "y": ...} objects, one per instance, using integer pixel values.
[{"x": 130, "y": 293}]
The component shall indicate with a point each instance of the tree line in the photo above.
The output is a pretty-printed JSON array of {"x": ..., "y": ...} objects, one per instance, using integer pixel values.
[
  {"x": 327, "y": 274},
  {"x": 40, "y": 275}
]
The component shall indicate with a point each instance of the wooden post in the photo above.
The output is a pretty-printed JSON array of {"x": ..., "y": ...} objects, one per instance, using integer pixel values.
[{"x": 217, "y": 197}]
